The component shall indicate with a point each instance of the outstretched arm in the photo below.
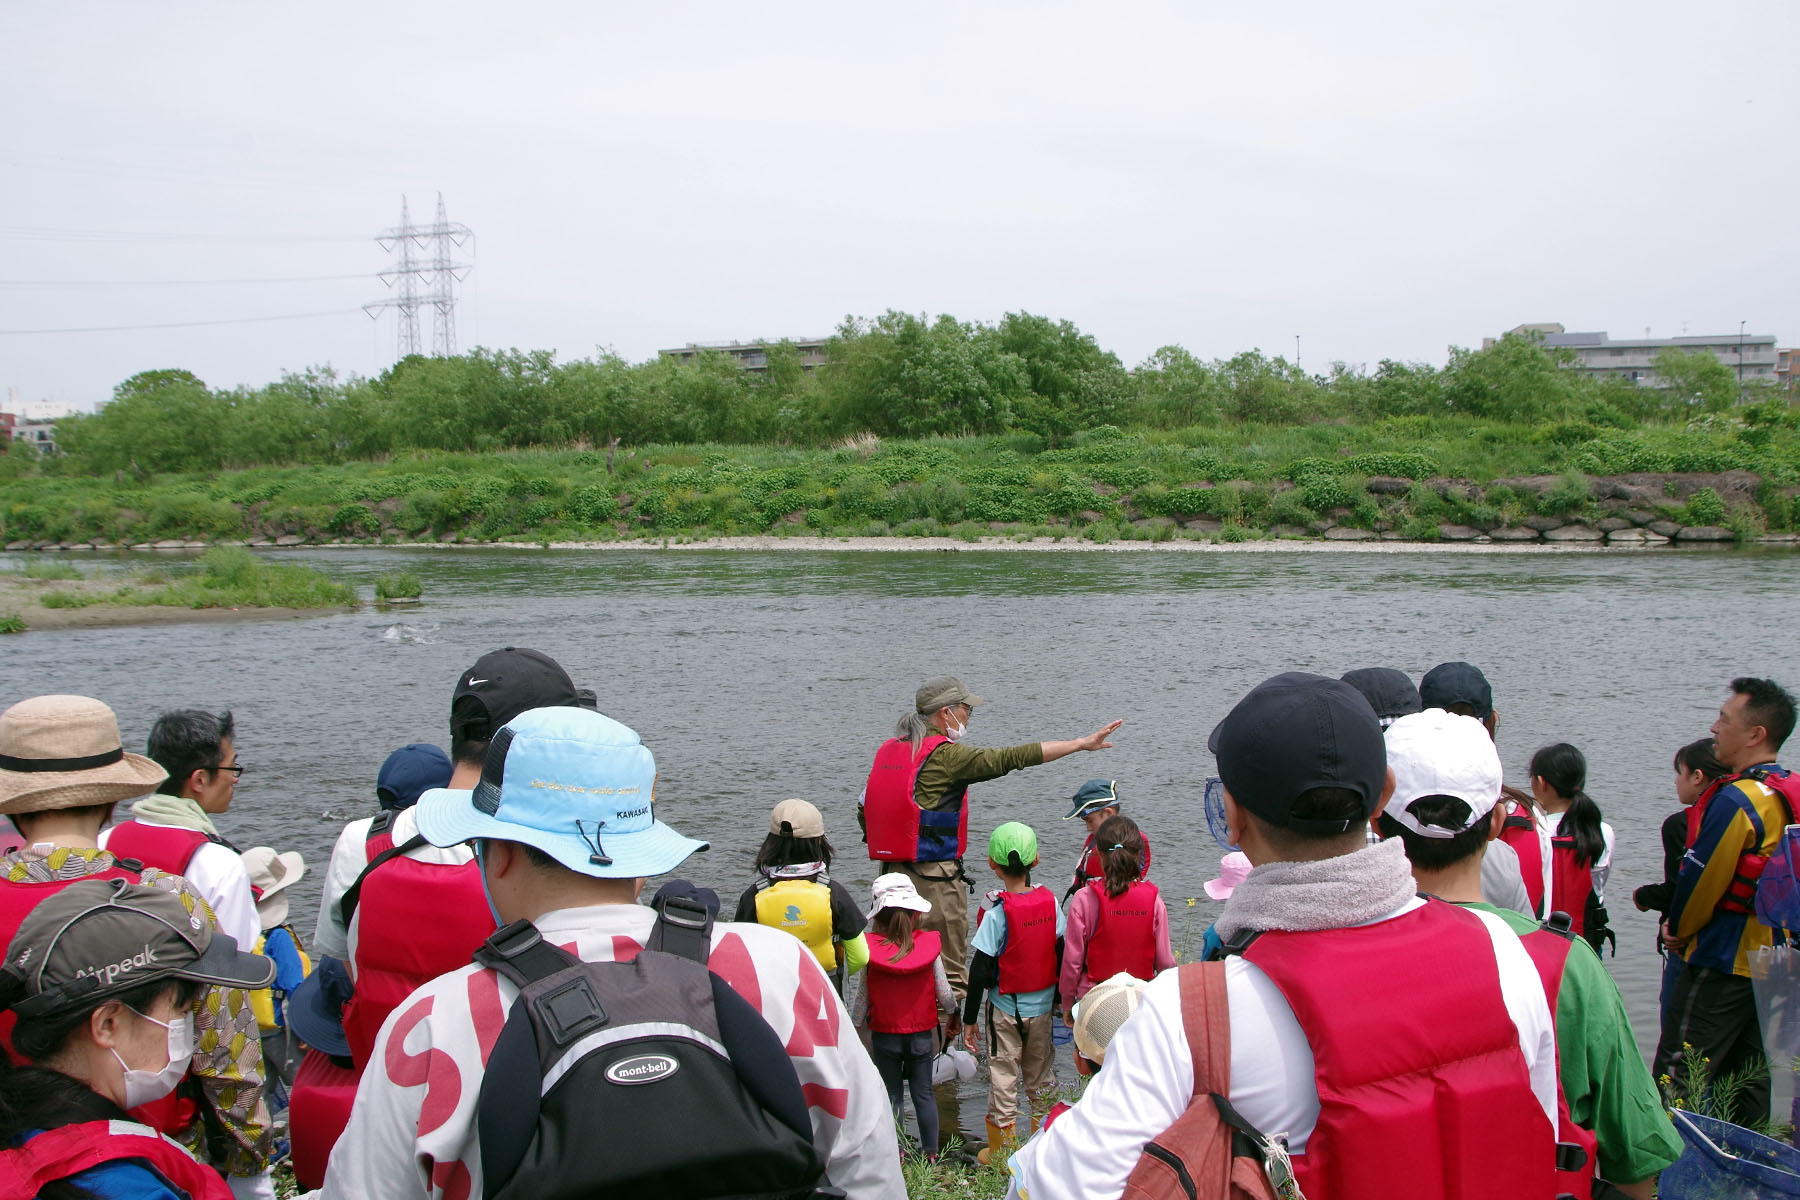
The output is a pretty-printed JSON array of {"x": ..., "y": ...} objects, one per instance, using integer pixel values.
[{"x": 1093, "y": 741}]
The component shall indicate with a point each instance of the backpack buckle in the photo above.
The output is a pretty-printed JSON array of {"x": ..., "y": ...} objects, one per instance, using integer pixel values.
[
  {"x": 685, "y": 912},
  {"x": 515, "y": 939}
]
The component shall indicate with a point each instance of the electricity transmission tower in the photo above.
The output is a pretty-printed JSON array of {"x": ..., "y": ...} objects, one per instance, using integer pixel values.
[{"x": 423, "y": 279}]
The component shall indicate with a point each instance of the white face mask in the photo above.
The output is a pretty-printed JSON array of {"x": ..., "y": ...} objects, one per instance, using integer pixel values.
[
  {"x": 141, "y": 1087},
  {"x": 956, "y": 734}
]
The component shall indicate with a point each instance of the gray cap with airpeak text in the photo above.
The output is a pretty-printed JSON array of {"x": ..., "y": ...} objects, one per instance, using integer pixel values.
[{"x": 99, "y": 937}]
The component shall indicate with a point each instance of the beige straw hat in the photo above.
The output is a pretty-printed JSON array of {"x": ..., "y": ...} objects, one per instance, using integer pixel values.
[
  {"x": 64, "y": 752},
  {"x": 270, "y": 875}
]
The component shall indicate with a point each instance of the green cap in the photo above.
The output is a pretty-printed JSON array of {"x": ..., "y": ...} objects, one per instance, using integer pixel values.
[{"x": 1014, "y": 837}]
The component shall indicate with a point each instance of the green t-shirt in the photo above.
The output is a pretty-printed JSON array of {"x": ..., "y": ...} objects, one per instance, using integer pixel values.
[{"x": 1608, "y": 1088}]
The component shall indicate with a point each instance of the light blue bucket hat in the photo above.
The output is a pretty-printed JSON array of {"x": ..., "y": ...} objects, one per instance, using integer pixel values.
[{"x": 575, "y": 784}]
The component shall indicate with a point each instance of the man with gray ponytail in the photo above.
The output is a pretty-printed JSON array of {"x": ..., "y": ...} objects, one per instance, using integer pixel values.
[{"x": 915, "y": 807}]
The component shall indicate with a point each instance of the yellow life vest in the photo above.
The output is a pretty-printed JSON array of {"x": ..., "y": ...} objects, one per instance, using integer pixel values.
[{"x": 802, "y": 907}]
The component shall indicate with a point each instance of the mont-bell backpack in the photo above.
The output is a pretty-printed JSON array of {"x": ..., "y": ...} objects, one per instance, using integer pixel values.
[{"x": 649, "y": 1077}]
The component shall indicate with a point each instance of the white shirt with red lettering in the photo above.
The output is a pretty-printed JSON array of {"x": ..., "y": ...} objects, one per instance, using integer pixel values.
[{"x": 412, "y": 1133}]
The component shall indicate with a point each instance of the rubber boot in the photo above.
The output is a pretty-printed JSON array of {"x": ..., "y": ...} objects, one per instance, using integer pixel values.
[{"x": 1000, "y": 1144}]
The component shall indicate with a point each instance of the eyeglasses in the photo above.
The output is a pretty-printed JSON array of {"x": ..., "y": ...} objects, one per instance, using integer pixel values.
[{"x": 236, "y": 769}]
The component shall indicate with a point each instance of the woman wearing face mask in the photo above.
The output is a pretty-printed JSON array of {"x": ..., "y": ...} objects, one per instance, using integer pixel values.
[
  {"x": 102, "y": 977},
  {"x": 915, "y": 806}
]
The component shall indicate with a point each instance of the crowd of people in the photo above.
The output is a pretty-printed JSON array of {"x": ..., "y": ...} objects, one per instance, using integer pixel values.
[{"x": 1403, "y": 995}]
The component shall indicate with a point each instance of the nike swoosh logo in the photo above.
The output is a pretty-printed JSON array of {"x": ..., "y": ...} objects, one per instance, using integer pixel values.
[{"x": 473, "y": 681}]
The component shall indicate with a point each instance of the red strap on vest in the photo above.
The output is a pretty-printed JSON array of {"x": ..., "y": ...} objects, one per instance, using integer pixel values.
[
  {"x": 1549, "y": 953},
  {"x": 71, "y": 1149}
]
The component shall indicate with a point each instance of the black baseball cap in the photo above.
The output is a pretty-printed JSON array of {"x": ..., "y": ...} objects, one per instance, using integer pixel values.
[
  {"x": 1457, "y": 683},
  {"x": 1296, "y": 732},
  {"x": 504, "y": 683},
  {"x": 97, "y": 938},
  {"x": 1389, "y": 692}
]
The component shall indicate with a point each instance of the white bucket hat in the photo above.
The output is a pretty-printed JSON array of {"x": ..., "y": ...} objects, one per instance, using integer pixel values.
[
  {"x": 895, "y": 890},
  {"x": 271, "y": 874}
]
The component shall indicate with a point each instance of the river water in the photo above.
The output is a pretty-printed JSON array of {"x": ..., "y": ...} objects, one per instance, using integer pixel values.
[{"x": 755, "y": 676}]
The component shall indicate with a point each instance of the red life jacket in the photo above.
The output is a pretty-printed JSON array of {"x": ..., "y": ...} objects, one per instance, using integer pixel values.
[
  {"x": 903, "y": 995},
  {"x": 895, "y": 827},
  {"x": 1571, "y": 884},
  {"x": 421, "y": 920},
  {"x": 1090, "y": 868},
  {"x": 318, "y": 1111},
  {"x": 1549, "y": 952},
  {"x": 1028, "y": 963},
  {"x": 1740, "y": 894},
  {"x": 1460, "y": 1086},
  {"x": 1124, "y": 936},
  {"x": 165, "y": 847},
  {"x": 70, "y": 1149},
  {"x": 1520, "y": 832}
]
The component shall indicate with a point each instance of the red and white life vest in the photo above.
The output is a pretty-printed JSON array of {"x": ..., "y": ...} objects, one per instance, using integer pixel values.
[
  {"x": 1028, "y": 961},
  {"x": 903, "y": 994},
  {"x": 895, "y": 827},
  {"x": 1124, "y": 934},
  {"x": 1549, "y": 953},
  {"x": 1740, "y": 893},
  {"x": 71, "y": 1149},
  {"x": 167, "y": 847},
  {"x": 318, "y": 1112},
  {"x": 418, "y": 921},
  {"x": 1411, "y": 1107}
]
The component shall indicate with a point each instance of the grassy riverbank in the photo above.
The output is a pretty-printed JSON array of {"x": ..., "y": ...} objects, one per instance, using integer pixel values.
[
  {"x": 226, "y": 579},
  {"x": 1413, "y": 478}
]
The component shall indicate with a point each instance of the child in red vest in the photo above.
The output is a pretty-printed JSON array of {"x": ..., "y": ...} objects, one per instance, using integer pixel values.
[
  {"x": 905, "y": 991},
  {"x": 1117, "y": 923},
  {"x": 1014, "y": 953}
]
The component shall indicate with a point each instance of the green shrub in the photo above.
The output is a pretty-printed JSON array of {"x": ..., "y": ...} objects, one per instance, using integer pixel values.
[
  {"x": 1404, "y": 464},
  {"x": 1233, "y": 532},
  {"x": 1290, "y": 508},
  {"x": 11, "y": 622},
  {"x": 400, "y": 585},
  {"x": 354, "y": 520},
  {"x": 69, "y": 599},
  {"x": 1569, "y": 494},
  {"x": 52, "y": 569},
  {"x": 1705, "y": 507}
]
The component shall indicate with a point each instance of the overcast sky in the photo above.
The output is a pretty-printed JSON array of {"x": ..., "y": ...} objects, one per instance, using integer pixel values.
[{"x": 1383, "y": 180}]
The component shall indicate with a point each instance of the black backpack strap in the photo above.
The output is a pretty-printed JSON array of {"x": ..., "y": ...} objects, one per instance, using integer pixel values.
[
  {"x": 1559, "y": 924},
  {"x": 1234, "y": 945},
  {"x": 506, "y": 1113},
  {"x": 353, "y": 895},
  {"x": 519, "y": 952},
  {"x": 683, "y": 927}
]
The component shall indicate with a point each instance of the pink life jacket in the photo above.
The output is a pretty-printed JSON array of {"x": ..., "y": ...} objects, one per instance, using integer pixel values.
[
  {"x": 903, "y": 995},
  {"x": 895, "y": 827},
  {"x": 1028, "y": 963},
  {"x": 1124, "y": 934},
  {"x": 1411, "y": 1107},
  {"x": 1549, "y": 953},
  {"x": 318, "y": 1112},
  {"x": 71, "y": 1149},
  {"x": 165, "y": 847},
  {"x": 422, "y": 919}
]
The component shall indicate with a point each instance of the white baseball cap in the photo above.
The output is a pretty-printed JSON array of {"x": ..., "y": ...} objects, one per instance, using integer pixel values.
[
  {"x": 895, "y": 890},
  {"x": 1438, "y": 753}
]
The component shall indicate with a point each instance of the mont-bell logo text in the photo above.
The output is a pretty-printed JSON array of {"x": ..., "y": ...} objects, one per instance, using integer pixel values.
[
  {"x": 644, "y": 1068},
  {"x": 108, "y": 972}
]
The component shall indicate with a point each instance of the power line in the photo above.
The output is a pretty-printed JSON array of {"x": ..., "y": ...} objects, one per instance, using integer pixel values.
[
  {"x": 33, "y": 233},
  {"x": 122, "y": 283},
  {"x": 334, "y": 312}
]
